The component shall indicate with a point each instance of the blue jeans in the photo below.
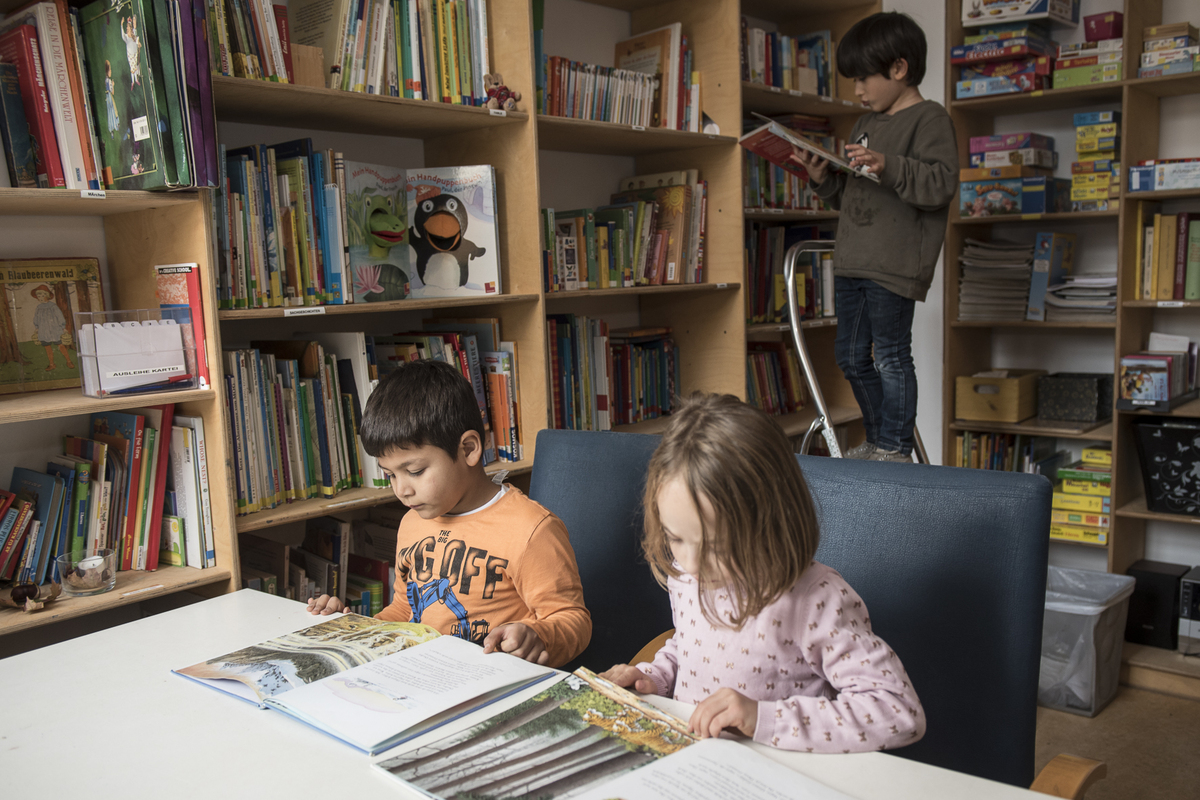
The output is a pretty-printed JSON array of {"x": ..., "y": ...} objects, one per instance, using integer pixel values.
[{"x": 883, "y": 380}]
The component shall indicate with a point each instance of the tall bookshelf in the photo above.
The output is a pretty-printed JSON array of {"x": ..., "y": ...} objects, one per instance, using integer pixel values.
[{"x": 971, "y": 346}]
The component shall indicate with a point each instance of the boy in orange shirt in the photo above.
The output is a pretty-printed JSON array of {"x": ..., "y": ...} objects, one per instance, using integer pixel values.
[{"x": 474, "y": 559}]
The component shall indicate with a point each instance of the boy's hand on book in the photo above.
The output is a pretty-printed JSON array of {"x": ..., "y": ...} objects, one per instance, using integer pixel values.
[
  {"x": 517, "y": 639},
  {"x": 324, "y": 605},
  {"x": 626, "y": 676},
  {"x": 860, "y": 158},
  {"x": 813, "y": 164},
  {"x": 725, "y": 710}
]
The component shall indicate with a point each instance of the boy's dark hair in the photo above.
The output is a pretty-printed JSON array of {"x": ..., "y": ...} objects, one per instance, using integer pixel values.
[
  {"x": 877, "y": 42},
  {"x": 422, "y": 402}
]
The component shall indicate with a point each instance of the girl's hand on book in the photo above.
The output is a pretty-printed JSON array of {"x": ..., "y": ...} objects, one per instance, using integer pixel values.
[
  {"x": 813, "y": 164},
  {"x": 860, "y": 157},
  {"x": 626, "y": 676},
  {"x": 517, "y": 639},
  {"x": 324, "y": 605},
  {"x": 725, "y": 710}
]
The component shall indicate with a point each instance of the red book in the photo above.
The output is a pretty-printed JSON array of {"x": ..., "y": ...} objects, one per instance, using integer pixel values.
[
  {"x": 20, "y": 46},
  {"x": 178, "y": 286},
  {"x": 1181, "y": 249},
  {"x": 285, "y": 41},
  {"x": 6, "y": 500},
  {"x": 154, "y": 534},
  {"x": 10, "y": 556}
]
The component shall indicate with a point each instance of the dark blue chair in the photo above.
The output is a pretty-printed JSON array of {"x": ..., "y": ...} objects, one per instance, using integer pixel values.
[{"x": 950, "y": 562}]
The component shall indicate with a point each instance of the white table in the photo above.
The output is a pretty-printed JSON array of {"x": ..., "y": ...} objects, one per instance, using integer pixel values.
[{"x": 103, "y": 715}]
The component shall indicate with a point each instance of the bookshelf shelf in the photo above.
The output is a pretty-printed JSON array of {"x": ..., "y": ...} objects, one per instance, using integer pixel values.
[
  {"x": 1163, "y": 194},
  {"x": 677, "y": 288},
  {"x": 132, "y": 587},
  {"x": 1167, "y": 86},
  {"x": 71, "y": 203},
  {"x": 71, "y": 402},
  {"x": 788, "y": 215},
  {"x": 1161, "y": 304},
  {"x": 1189, "y": 409},
  {"x": 347, "y": 500},
  {"x": 1034, "y": 325},
  {"x": 1008, "y": 219},
  {"x": 393, "y": 307},
  {"x": 293, "y": 106},
  {"x": 1064, "y": 430},
  {"x": 1074, "y": 543},
  {"x": 614, "y": 139},
  {"x": 759, "y": 328},
  {"x": 1137, "y": 510},
  {"x": 1045, "y": 100},
  {"x": 770, "y": 100}
]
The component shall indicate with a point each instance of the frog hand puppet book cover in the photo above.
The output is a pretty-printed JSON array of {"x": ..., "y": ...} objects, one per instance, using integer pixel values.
[
  {"x": 37, "y": 320},
  {"x": 122, "y": 84},
  {"x": 378, "y": 235},
  {"x": 452, "y": 231}
]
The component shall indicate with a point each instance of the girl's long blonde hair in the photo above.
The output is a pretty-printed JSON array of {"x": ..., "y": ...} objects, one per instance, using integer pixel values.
[{"x": 764, "y": 530}]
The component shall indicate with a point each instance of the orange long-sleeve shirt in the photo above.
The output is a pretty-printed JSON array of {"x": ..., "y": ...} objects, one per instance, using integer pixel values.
[{"x": 510, "y": 562}]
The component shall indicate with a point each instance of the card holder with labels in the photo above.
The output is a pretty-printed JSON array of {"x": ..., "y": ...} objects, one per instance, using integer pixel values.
[{"x": 131, "y": 355}]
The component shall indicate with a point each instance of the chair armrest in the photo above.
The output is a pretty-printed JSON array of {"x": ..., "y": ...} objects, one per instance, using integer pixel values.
[
  {"x": 648, "y": 652},
  {"x": 1069, "y": 776}
]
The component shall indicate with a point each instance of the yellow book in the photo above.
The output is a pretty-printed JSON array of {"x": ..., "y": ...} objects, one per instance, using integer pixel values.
[
  {"x": 445, "y": 72},
  {"x": 1080, "y": 502},
  {"x": 1101, "y": 456},
  {"x": 1140, "y": 248},
  {"x": 1164, "y": 281},
  {"x": 1092, "y": 488},
  {"x": 1078, "y": 533},
  {"x": 1060, "y": 516},
  {"x": 602, "y": 254}
]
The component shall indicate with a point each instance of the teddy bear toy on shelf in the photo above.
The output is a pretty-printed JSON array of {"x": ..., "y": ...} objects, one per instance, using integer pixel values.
[{"x": 499, "y": 95}]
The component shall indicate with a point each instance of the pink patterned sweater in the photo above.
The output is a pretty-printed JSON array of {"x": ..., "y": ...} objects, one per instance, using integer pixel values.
[{"x": 823, "y": 681}]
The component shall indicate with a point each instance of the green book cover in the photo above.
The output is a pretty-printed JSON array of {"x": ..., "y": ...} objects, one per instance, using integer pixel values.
[
  {"x": 1191, "y": 281},
  {"x": 1080, "y": 471},
  {"x": 362, "y": 584},
  {"x": 166, "y": 82},
  {"x": 403, "y": 47},
  {"x": 114, "y": 40}
]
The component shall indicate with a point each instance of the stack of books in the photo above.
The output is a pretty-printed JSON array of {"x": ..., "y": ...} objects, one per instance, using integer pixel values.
[
  {"x": 1005, "y": 58},
  {"x": 1168, "y": 50},
  {"x": 1083, "y": 298},
  {"x": 770, "y": 186},
  {"x": 774, "y": 379},
  {"x": 1081, "y": 505},
  {"x": 802, "y": 63},
  {"x": 1096, "y": 171},
  {"x": 995, "y": 280}
]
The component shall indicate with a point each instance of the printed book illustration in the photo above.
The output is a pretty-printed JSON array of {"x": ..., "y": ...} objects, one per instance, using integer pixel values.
[
  {"x": 774, "y": 142},
  {"x": 378, "y": 220},
  {"x": 577, "y": 734},
  {"x": 455, "y": 248},
  {"x": 37, "y": 330}
]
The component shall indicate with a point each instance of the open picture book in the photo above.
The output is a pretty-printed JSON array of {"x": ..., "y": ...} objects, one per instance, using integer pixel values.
[
  {"x": 584, "y": 737},
  {"x": 372, "y": 684},
  {"x": 774, "y": 142}
]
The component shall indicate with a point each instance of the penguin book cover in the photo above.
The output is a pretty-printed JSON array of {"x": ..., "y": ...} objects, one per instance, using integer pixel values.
[
  {"x": 452, "y": 232},
  {"x": 378, "y": 235}
]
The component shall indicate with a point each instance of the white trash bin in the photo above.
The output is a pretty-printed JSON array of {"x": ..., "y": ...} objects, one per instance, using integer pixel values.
[{"x": 1082, "y": 636}]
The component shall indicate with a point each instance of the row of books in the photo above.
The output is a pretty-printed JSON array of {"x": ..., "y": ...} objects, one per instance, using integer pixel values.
[
  {"x": 765, "y": 247},
  {"x": 1009, "y": 452},
  {"x": 652, "y": 233},
  {"x": 774, "y": 378},
  {"x": 651, "y": 84},
  {"x": 304, "y": 227},
  {"x": 802, "y": 63},
  {"x": 601, "y": 377},
  {"x": 769, "y": 185},
  {"x": 1168, "y": 255},
  {"x": 107, "y": 96},
  {"x": 137, "y": 484}
]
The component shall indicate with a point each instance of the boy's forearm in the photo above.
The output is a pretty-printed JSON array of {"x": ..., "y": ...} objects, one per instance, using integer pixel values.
[
  {"x": 565, "y": 634},
  {"x": 923, "y": 185}
]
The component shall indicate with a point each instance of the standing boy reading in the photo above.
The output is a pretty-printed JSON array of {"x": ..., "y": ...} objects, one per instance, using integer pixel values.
[
  {"x": 889, "y": 233},
  {"x": 474, "y": 559}
]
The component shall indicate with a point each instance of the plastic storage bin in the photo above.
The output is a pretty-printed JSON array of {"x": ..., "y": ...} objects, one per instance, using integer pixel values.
[{"x": 1082, "y": 636}]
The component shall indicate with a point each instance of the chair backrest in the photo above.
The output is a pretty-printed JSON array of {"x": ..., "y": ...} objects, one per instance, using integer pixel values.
[
  {"x": 950, "y": 562},
  {"x": 594, "y": 482}
]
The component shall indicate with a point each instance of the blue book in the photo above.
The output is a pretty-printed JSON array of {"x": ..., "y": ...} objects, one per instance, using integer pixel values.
[
  {"x": 68, "y": 523},
  {"x": 130, "y": 428},
  {"x": 1053, "y": 258},
  {"x": 14, "y": 131},
  {"x": 45, "y": 493}
]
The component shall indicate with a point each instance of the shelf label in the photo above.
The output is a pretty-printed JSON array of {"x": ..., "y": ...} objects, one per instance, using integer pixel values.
[
  {"x": 92, "y": 194},
  {"x": 795, "y": 93},
  {"x": 825, "y": 98},
  {"x": 722, "y": 285},
  {"x": 641, "y": 128},
  {"x": 775, "y": 89},
  {"x": 774, "y": 210},
  {"x": 1038, "y": 93},
  {"x": 497, "y": 112},
  {"x": 304, "y": 312},
  {"x": 1170, "y": 304}
]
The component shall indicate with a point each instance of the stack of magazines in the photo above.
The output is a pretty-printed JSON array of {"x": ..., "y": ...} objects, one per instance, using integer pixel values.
[
  {"x": 1083, "y": 298},
  {"x": 994, "y": 285}
]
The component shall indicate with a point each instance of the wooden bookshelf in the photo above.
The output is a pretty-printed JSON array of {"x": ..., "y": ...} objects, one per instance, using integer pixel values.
[
  {"x": 788, "y": 215},
  {"x": 77, "y": 203},
  {"x": 1009, "y": 219},
  {"x": 1034, "y": 325},
  {"x": 1102, "y": 432},
  {"x": 392, "y": 307},
  {"x": 1137, "y": 509},
  {"x": 72, "y": 402},
  {"x": 771, "y": 100},
  {"x": 642, "y": 291},
  {"x": 1027, "y": 102},
  {"x": 616, "y": 139}
]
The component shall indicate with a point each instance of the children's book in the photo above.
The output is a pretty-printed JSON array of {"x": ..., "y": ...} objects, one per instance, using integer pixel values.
[
  {"x": 378, "y": 230},
  {"x": 14, "y": 131},
  {"x": 774, "y": 142},
  {"x": 37, "y": 338},
  {"x": 45, "y": 493},
  {"x": 370, "y": 683},
  {"x": 452, "y": 231}
]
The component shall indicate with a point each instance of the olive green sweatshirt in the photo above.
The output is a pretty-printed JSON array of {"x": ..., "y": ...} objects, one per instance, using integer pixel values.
[{"x": 891, "y": 232}]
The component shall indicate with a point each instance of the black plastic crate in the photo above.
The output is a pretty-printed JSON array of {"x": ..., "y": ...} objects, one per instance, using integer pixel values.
[{"x": 1169, "y": 451}]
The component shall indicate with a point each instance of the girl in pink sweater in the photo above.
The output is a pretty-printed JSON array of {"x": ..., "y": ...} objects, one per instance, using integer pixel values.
[{"x": 768, "y": 642}]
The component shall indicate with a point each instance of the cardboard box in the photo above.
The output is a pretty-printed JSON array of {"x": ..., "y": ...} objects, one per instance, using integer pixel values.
[
  {"x": 1096, "y": 118},
  {"x": 1002, "y": 172},
  {"x": 1166, "y": 31},
  {"x": 1037, "y": 195},
  {"x": 1087, "y": 206},
  {"x": 1026, "y": 156},
  {"x": 1006, "y": 50},
  {"x": 1008, "y": 399},
  {"x": 1090, "y": 180},
  {"x": 1089, "y": 61},
  {"x": 1010, "y": 30},
  {"x": 1160, "y": 57},
  {"x": 1109, "y": 25},
  {"x": 1010, "y": 141},
  {"x": 1167, "y": 43},
  {"x": 1098, "y": 144},
  {"x": 1141, "y": 179},
  {"x": 1107, "y": 166},
  {"x": 1042, "y": 65},
  {"x": 1075, "y": 396},
  {"x": 1185, "y": 175},
  {"x": 1090, "y": 48},
  {"x": 1173, "y": 68},
  {"x": 1086, "y": 76},
  {"x": 987, "y": 12},
  {"x": 1096, "y": 193},
  {"x": 1097, "y": 155},
  {"x": 986, "y": 87},
  {"x": 1099, "y": 130}
]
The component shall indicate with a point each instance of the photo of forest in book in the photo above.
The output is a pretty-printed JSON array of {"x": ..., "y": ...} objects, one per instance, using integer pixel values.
[
  {"x": 580, "y": 732},
  {"x": 308, "y": 655}
]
